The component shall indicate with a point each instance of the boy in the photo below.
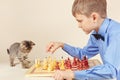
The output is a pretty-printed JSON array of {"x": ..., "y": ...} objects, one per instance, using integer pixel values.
[{"x": 104, "y": 39}]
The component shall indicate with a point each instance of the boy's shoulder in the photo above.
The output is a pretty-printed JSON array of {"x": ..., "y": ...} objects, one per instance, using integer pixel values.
[
  {"x": 113, "y": 24},
  {"x": 114, "y": 27}
]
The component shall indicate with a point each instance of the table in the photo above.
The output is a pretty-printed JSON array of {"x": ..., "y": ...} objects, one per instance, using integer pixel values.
[{"x": 16, "y": 73}]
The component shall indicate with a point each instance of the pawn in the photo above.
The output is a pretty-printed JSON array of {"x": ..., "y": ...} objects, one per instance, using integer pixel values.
[
  {"x": 62, "y": 66},
  {"x": 69, "y": 66},
  {"x": 37, "y": 63},
  {"x": 57, "y": 66}
]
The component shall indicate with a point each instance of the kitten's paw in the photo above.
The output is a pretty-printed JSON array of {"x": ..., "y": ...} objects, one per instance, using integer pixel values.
[
  {"x": 29, "y": 61},
  {"x": 12, "y": 65},
  {"x": 25, "y": 67}
]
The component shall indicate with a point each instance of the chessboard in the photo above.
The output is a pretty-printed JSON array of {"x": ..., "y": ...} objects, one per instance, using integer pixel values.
[{"x": 47, "y": 67}]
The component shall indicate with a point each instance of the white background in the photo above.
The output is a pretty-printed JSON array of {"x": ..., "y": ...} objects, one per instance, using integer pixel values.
[{"x": 43, "y": 21}]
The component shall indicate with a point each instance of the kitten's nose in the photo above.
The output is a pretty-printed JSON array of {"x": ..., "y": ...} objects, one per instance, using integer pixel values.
[{"x": 32, "y": 43}]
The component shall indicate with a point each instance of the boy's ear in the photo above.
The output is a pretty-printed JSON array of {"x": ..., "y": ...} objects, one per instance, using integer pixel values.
[{"x": 94, "y": 16}]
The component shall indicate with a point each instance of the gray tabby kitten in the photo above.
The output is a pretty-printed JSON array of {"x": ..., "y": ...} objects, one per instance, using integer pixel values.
[{"x": 20, "y": 50}]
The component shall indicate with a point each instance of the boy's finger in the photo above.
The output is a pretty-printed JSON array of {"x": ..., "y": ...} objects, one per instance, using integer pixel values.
[{"x": 49, "y": 46}]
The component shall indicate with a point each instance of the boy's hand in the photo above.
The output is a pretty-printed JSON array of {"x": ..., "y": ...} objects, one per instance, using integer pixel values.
[
  {"x": 53, "y": 46},
  {"x": 63, "y": 75}
]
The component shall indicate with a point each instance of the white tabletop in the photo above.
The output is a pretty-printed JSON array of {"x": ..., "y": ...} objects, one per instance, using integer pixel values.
[{"x": 16, "y": 73}]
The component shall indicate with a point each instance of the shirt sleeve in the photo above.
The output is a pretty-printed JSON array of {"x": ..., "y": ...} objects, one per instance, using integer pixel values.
[
  {"x": 89, "y": 50},
  {"x": 102, "y": 72}
]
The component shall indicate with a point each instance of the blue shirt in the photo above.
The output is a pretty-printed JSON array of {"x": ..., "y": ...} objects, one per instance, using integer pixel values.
[{"x": 109, "y": 50}]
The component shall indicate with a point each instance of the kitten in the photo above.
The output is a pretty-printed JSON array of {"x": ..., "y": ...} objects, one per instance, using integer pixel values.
[{"x": 21, "y": 51}]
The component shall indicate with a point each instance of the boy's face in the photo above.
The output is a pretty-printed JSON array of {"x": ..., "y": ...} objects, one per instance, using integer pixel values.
[{"x": 85, "y": 23}]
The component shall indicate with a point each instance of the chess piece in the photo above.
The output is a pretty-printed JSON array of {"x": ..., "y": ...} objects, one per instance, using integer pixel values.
[
  {"x": 85, "y": 63},
  {"x": 45, "y": 64},
  {"x": 57, "y": 66},
  {"x": 68, "y": 64},
  {"x": 74, "y": 64},
  {"x": 37, "y": 63},
  {"x": 50, "y": 67},
  {"x": 62, "y": 66}
]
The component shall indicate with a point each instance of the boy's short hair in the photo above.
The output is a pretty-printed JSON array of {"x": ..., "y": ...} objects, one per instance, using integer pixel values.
[{"x": 86, "y": 7}]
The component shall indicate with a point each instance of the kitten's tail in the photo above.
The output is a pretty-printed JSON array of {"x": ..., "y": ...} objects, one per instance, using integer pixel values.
[{"x": 8, "y": 51}]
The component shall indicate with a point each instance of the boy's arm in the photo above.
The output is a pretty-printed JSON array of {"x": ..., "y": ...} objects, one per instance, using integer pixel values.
[
  {"x": 102, "y": 72},
  {"x": 89, "y": 50}
]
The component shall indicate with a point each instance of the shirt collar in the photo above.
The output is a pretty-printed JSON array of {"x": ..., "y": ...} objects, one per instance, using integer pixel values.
[{"x": 103, "y": 28}]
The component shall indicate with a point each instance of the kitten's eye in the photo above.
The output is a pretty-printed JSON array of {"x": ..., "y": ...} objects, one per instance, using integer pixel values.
[{"x": 24, "y": 45}]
